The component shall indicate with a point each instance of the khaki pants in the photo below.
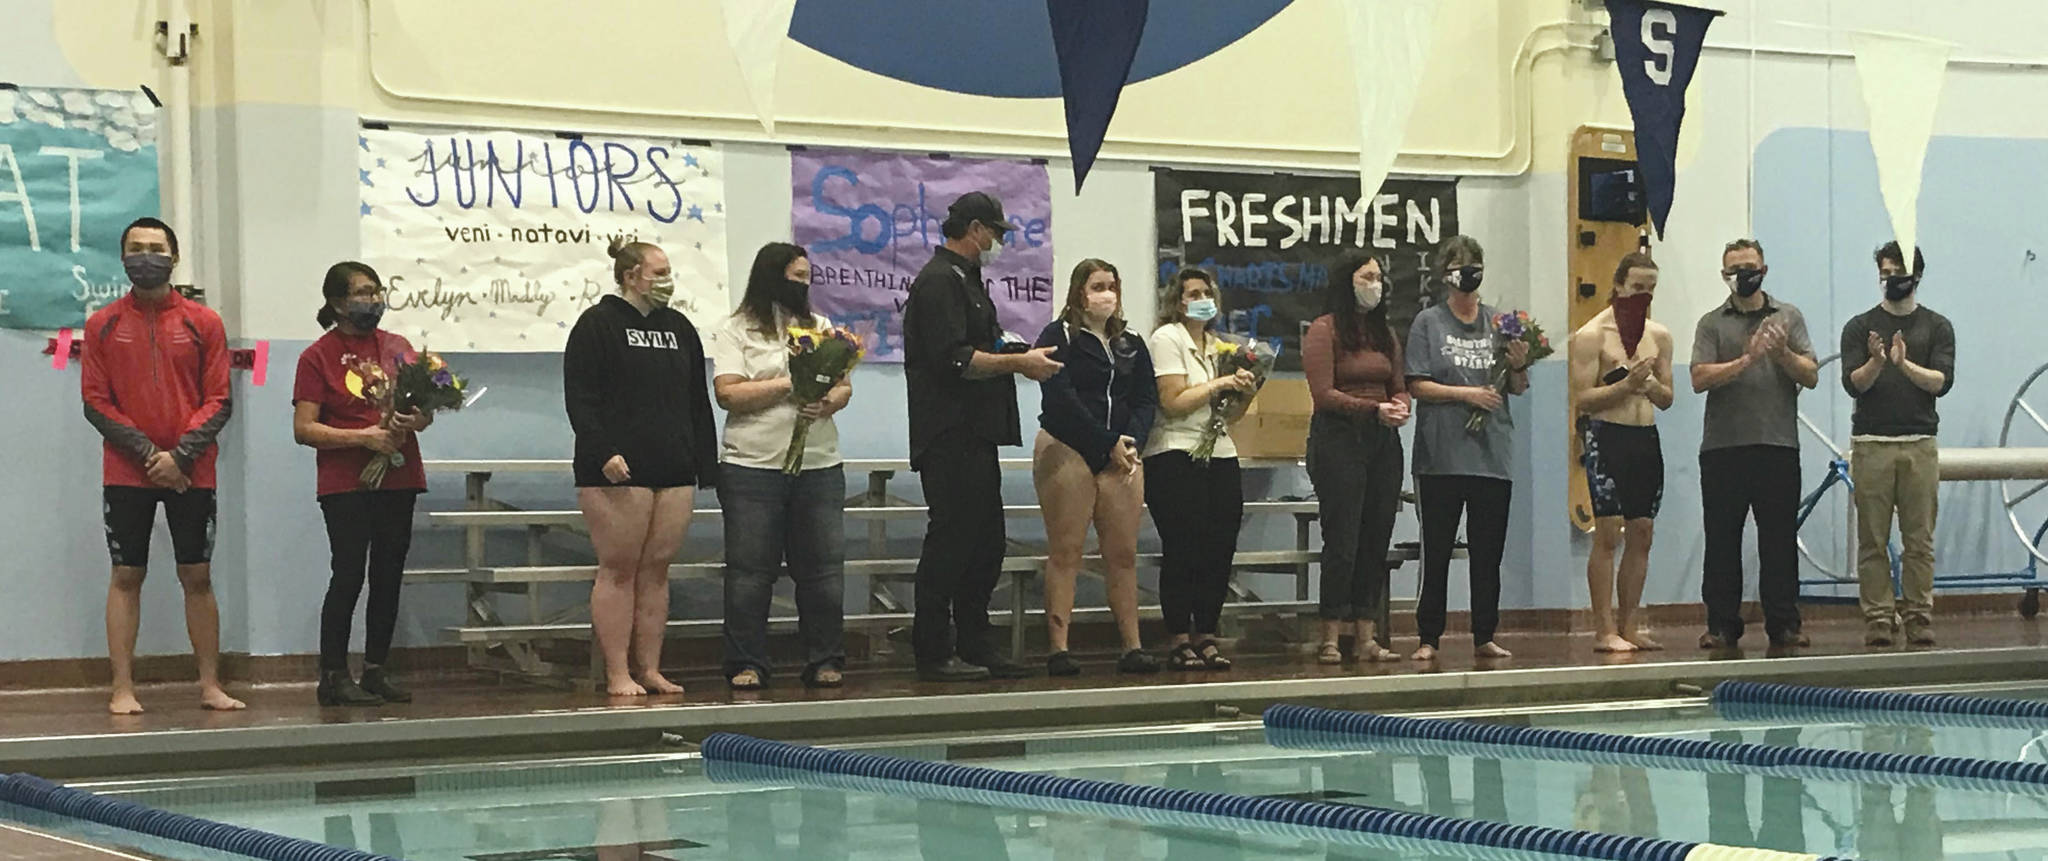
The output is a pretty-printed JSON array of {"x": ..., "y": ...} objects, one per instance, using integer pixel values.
[{"x": 1901, "y": 477}]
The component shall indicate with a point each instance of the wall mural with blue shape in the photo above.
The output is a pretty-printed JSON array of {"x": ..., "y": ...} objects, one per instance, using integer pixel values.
[{"x": 1004, "y": 48}]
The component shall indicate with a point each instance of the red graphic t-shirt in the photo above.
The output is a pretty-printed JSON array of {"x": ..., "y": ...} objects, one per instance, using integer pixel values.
[{"x": 323, "y": 378}]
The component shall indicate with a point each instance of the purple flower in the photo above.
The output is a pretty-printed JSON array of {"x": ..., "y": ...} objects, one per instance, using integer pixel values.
[
  {"x": 807, "y": 343},
  {"x": 444, "y": 379},
  {"x": 1510, "y": 326}
]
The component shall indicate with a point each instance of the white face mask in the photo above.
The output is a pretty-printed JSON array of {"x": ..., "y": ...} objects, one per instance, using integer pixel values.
[
  {"x": 994, "y": 250},
  {"x": 1368, "y": 294}
]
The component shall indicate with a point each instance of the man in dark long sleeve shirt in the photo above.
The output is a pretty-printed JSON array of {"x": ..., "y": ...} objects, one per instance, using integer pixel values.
[
  {"x": 1897, "y": 358},
  {"x": 963, "y": 404}
]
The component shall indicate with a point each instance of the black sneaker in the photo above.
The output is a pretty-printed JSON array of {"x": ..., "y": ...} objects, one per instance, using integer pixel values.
[
  {"x": 1137, "y": 661},
  {"x": 337, "y": 689},
  {"x": 1061, "y": 664},
  {"x": 1002, "y": 668},
  {"x": 380, "y": 683},
  {"x": 953, "y": 670}
]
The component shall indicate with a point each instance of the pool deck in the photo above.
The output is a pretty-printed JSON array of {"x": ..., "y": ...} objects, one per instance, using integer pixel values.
[
  {"x": 68, "y": 734},
  {"x": 26, "y": 844}
]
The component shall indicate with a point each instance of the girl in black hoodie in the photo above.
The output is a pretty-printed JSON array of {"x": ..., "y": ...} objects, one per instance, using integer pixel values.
[
  {"x": 1096, "y": 412},
  {"x": 633, "y": 378}
]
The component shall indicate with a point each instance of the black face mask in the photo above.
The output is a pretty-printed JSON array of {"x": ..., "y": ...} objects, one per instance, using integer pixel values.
[
  {"x": 794, "y": 295},
  {"x": 1748, "y": 280},
  {"x": 1465, "y": 279},
  {"x": 1898, "y": 287}
]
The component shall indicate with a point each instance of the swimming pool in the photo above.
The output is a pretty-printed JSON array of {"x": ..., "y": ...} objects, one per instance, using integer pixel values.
[{"x": 667, "y": 807}]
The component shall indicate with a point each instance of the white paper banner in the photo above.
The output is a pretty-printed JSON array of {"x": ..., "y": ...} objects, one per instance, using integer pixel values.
[
  {"x": 1390, "y": 42},
  {"x": 1901, "y": 78},
  {"x": 756, "y": 29},
  {"x": 500, "y": 244}
]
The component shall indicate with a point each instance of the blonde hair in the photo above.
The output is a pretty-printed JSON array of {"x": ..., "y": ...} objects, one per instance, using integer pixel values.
[{"x": 626, "y": 255}]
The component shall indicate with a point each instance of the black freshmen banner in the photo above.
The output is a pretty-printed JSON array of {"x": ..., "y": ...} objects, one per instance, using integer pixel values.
[
  {"x": 1657, "y": 48},
  {"x": 1271, "y": 239}
]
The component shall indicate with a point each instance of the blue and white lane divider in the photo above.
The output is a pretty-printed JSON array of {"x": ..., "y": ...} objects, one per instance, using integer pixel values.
[
  {"x": 730, "y": 757},
  {"x": 1758, "y": 701},
  {"x": 30, "y": 791},
  {"x": 1326, "y": 729}
]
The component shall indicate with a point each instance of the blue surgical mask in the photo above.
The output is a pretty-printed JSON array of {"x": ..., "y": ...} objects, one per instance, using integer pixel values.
[{"x": 1202, "y": 310}]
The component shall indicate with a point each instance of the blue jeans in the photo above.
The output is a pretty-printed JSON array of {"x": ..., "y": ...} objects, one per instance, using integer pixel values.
[{"x": 772, "y": 518}]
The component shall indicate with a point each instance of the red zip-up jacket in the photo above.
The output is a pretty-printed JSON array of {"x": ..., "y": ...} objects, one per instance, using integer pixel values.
[{"x": 155, "y": 378}]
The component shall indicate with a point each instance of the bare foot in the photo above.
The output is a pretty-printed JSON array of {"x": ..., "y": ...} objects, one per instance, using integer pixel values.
[
  {"x": 1643, "y": 642},
  {"x": 624, "y": 686},
  {"x": 215, "y": 699},
  {"x": 1490, "y": 649},
  {"x": 656, "y": 683},
  {"x": 1612, "y": 643},
  {"x": 124, "y": 703},
  {"x": 1425, "y": 653}
]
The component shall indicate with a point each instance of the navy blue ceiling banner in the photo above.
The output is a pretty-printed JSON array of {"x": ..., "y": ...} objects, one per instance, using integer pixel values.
[
  {"x": 1004, "y": 48},
  {"x": 1096, "y": 40},
  {"x": 1657, "y": 47}
]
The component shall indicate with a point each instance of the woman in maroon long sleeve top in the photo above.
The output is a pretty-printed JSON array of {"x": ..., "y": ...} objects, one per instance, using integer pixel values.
[{"x": 1355, "y": 376}]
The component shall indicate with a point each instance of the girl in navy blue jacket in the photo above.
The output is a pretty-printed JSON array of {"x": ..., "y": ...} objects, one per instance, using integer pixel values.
[{"x": 1094, "y": 415}]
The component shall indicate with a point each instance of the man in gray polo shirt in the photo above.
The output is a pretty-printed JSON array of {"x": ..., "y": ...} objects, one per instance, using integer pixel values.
[{"x": 1751, "y": 356}]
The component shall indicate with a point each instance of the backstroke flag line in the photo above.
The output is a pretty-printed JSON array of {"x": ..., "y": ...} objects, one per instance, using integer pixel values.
[
  {"x": 756, "y": 29},
  {"x": 1096, "y": 40},
  {"x": 1657, "y": 48},
  {"x": 1901, "y": 78},
  {"x": 1390, "y": 42}
]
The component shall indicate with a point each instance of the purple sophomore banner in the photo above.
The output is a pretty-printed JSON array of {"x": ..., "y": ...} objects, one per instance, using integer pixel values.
[{"x": 870, "y": 221}]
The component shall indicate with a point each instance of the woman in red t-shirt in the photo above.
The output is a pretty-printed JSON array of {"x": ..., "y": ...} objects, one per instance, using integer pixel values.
[{"x": 368, "y": 530}]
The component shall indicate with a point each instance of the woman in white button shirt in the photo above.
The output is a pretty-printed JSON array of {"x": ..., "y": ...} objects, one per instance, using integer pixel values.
[{"x": 771, "y": 518}]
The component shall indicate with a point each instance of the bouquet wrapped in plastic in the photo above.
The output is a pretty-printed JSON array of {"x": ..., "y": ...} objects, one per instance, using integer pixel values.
[
  {"x": 1229, "y": 357},
  {"x": 818, "y": 359},
  {"x": 1507, "y": 329},
  {"x": 422, "y": 382}
]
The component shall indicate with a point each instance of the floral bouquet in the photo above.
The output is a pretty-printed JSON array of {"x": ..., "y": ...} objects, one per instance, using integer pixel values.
[
  {"x": 818, "y": 360},
  {"x": 1231, "y": 356},
  {"x": 422, "y": 382},
  {"x": 1507, "y": 329}
]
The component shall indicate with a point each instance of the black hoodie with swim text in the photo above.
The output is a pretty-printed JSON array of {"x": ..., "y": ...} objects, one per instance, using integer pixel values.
[{"x": 636, "y": 386}]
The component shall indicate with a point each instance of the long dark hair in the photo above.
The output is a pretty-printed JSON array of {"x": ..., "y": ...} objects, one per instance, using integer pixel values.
[
  {"x": 1076, "y": 310},
  {"x": 1356, "y": 330},
  {"x": 335, "y": 286},
  {"x": 765, "y": 290}
]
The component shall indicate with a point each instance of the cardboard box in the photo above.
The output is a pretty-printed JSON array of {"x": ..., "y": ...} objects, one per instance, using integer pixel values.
[{"x": 1276, "y": 425}]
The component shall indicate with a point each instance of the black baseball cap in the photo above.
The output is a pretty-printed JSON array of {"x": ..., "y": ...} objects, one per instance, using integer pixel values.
[{"x": 980, "y": 206}]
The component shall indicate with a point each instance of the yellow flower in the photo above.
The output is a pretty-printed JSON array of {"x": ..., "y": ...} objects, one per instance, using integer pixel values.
[{"x": 1221, "y": 347}]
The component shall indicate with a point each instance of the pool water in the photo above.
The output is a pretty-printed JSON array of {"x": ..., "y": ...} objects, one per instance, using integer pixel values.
[{"x": 666, "y": 807}]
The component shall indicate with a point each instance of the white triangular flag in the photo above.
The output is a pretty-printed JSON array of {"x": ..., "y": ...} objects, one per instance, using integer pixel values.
[
  {"x": 1901, "y": 78},
  {"x": 1390, "y": 42},
  {"x": 755, "y": 29}
]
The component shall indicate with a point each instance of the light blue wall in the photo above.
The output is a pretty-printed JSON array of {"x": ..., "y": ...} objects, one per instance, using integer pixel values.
[{"x": 1816, "y": 211}]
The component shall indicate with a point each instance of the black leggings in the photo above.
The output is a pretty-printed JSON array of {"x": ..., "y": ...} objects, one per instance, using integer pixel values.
[
  {"x": 367, "y": 531},
  {"x": 1484, "y": 504},
  {"x": 1197, "y": 508}
]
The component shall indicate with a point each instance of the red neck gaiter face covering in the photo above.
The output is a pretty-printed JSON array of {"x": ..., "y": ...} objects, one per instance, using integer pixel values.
[{"x": 1629, "y": 314}]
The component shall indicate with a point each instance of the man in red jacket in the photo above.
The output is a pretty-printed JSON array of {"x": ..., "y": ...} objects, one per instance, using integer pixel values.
[{"x": 155, "y": 382}]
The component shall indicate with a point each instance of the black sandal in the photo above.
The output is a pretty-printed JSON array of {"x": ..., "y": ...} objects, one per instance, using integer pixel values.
[
  {"x": 1212, "y": 656},
  {"x": 1183, "y": 658},
  {"x": 1137, "y": 661}
]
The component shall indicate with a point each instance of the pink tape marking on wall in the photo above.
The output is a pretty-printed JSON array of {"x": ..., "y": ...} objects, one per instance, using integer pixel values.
[
  {"x": 63, "y": 357},
  {"x": 260, "y": 371}
]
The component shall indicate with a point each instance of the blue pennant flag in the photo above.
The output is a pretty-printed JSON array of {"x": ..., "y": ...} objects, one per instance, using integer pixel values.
[
  {"x": 1096, "y": 41},
  {"x": 1657, "y": 47}
]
